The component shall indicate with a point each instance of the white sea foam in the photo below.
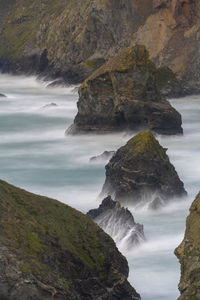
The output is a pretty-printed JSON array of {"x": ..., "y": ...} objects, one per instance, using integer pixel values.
[{"x": 36, "y": 155}]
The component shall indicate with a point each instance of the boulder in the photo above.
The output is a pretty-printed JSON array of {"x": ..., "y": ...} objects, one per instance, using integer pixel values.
[
  {"x": 105, "y": 156},
  {"x": 188, "y": 253},
  {"x": 141, "y": 172},
  {"x": 123, "y": 94},
  {"x": 118, "y": 222},
  {"x": 49, "y": 250}
]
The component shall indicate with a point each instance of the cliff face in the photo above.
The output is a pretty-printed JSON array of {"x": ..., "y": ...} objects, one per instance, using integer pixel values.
[
  {"x": 141, "y": 173},
  {"x": 70, "y": 37},
  {"x": 51, "y": 251},
  {"x": 124, "y": 94},
  {"x": 73, "y": 38},
  {"x": 188, "y": 253}
]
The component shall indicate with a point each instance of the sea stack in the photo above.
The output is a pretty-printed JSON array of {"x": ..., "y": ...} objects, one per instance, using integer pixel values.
[
  {"x": 118, "y": 222},
  {"x": 49, "y": 250},
  {"x": 141, "y": 172},
  {"x": 188, "y": 254},
  {"x": 123, "y": 94}
]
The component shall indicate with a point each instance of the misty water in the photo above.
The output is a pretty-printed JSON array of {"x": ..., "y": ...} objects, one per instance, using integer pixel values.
[{"x": 36, "y": 155}]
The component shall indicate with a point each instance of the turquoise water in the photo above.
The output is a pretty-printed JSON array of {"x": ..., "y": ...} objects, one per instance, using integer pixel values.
[{"x": 36, "y": 155}]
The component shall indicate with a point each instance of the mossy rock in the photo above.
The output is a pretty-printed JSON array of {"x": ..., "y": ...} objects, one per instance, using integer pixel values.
[{"x": 141, "y": 171}]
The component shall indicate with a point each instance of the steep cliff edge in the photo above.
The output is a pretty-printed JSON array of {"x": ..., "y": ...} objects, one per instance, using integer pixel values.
[
  {"x": 140, "y": 172},
  {"x": 50, "y": 251},
  {"x": 73, "y": 38},
  {"x": 124, "y": 94},
  {"x": 188, "y": 254}
]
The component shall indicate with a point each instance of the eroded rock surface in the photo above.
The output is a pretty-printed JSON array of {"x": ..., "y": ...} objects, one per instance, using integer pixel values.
[
  {"x": 188, "y": 254},
  {"x": 124, "y": 95},
  {"x": 140, "y": 172},
  {"x": 50, "y": 251},
  {"x": 118, "y": 222}
]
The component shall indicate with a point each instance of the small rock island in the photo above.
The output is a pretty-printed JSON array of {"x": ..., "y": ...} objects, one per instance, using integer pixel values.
[
  {"x": 124, "y": 94},
  {"x": 118, "y": 222},
  {"x": 141, "y": 172}
]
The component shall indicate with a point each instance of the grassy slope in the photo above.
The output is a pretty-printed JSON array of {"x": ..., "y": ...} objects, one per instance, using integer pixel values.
[{"x": 30, "y": 224}]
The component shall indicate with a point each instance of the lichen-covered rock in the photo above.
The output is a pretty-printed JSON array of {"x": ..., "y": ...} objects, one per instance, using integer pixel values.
[
  {"x": 124, "y": 94},
  {"x": 141, "y": 172},
  {"x": 118, "y": 222},
  {"x": 50, "y": 251},
  {"x": 188, "y": 254}
]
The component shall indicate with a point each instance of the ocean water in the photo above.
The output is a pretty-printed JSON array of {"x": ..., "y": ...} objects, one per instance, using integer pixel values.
[{"x": 35, "y": 154}]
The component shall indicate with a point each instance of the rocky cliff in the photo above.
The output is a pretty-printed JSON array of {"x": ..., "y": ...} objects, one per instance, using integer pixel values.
[
  {"x": 118, "y": 222},
  {"x": 50, "y": 251},
  {"x": 141, "y": 173},
  {"x": 124, "y": 94},
  {"x": 73, "y": 38},
  {"x": 188, "y": 254}
]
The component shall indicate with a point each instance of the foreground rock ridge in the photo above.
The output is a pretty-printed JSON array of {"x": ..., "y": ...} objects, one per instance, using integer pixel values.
[
  {"x": 73, "y": 38},
  {"x": 123, "y": 94},
  {"x": 188, "y": 254},
  {"x": 140, "y": 172},
  {"x": 118, "y": 222},
  {"x": 49, "y": 250}
]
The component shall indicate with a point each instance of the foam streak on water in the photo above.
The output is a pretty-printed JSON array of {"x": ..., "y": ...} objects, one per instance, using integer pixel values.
[{"x": 36, "y": 155}]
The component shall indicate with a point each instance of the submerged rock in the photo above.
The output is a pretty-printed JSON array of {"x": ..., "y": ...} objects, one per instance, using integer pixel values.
[
  {"x": 49, "y": 250},
  {"x": 188, "y": 254},
  {"x": 118, "y": 222},
  {"x": 141, "y": 172},
  {"x": 123, "y": 94},
  {"x": 105, "y": 156},
  {"x": 50, "y": 105},
  {"x": 2, "y": 95}
]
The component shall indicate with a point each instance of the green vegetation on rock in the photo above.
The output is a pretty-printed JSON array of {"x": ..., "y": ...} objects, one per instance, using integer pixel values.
[{"x": 56, "y": 245}]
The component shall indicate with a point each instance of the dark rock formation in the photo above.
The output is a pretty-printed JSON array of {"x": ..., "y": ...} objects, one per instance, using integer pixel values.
[
  {"x": 2, "y": 95},
  {"x": 105, "y": 156},
  {"x": 141, "y": 172},
  {"x": 188, "y": 253},
  {"x": 50, "y": 251},
  {"x": 50, "y": 105},
  {"x": 123, "y": 94},
  {"x": 118, "y": 222}
]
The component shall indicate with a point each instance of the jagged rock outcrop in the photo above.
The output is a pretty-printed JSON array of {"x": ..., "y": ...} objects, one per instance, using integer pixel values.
[
  {"x": 50, "y": 251},
  {"x": 123, "y": 94},
  {"x": 140, "y": 172},
  {"x": 118, "y": 222},
  {"x": 188, "y": 254},
  {"x": 72, "y": 39},
  {"x": 105, "y": 156}
]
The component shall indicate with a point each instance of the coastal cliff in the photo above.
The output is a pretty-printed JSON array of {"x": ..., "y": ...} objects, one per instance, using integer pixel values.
[
  {"x": 71, "y": 39},
  {"x": 188, "y": 254}
]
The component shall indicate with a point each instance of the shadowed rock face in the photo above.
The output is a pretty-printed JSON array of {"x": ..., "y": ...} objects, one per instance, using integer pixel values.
[
  {"x": 118, "y": 222},
  {"x": 141, "y": 172},
  {"x": 50, "y": 251},
  {"x": 188, "y": 254},
  {"x": 123, "y": 94}
]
